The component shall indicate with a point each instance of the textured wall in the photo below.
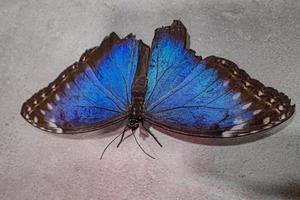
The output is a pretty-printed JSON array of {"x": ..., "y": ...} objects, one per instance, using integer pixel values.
[{"x": 38, "y": 39}]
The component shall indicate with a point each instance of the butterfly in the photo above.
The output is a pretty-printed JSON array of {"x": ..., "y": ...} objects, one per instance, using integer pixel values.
[{"x": 166, "y": 86}]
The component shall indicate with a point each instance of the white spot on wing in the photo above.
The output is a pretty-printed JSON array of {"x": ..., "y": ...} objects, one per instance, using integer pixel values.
[
  {"x": 272, "y": 100},
  {"x": 283, "y": 116},
  {"x": 266, "y": 120},
  {"x": 49, "y": 106},
  {"x": 35, "y": 102},
  {"x": 226, "y": 83},
  {"x": 268, "y": 126},
  {"x": 27, "y": 116},
  {"x": 43, "y": 95},
  {"x": 58, "y": 130},
  {"x": 280, "y": 107},
  {"x": 51, "y": 124},
  {"x": 246, "y": 106},
  {"x": 256, "y": 111},
  {"x": 29, "y": 109},
  {"x": 35, "y": 119},
  {"x": 67, "y": 85},
  {"x": 43, "y": 112},
  {"x": 57, "y": 98},
  {"x": 227, "y": 134},
  {"x": 236, "y": 96},
  {"x": 223, "y": 62},
  {"x": 260, "y": 93},
  {"x": 238, "y": 127}
]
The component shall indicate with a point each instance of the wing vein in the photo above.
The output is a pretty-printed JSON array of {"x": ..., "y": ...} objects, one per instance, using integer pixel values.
[
  {"x": 104, "y": 92},
  {"x": 188, "y": 107},
  {"x": 178, "y": 88}
]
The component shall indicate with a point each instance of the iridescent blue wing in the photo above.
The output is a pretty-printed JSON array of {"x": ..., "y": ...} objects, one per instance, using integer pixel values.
[
  {"x": 90, "y": 94},
  {"x": 210, "y": 97}
]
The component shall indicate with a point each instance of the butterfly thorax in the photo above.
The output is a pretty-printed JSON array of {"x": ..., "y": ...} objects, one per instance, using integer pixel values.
[{"x": 135, "y": 115}]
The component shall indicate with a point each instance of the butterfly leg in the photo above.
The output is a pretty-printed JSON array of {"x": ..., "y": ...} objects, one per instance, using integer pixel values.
[
  {"x": 148, "y": 130},
  {"x": 128, "y": 136},
  {"x": 122, "y": 137}
]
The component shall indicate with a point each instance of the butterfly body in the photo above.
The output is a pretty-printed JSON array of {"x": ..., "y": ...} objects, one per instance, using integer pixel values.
[
  {"x": 139, "y": 87},
  {"x": 166, "y": 85}
]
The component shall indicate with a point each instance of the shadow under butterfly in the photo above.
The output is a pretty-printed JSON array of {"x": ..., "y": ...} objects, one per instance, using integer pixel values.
[{"x": 166, "y": 86}]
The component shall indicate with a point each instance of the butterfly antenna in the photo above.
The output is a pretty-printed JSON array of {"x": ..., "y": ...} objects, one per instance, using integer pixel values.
[
  {"x": 152, "y": 135},
  {"x": 110, "y": 144},
  {"x": 142, "y": 147},
  {"x": 123, "y": 133}
]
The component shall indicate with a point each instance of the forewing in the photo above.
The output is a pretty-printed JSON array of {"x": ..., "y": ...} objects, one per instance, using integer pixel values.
[
  {"x": 210, "y": 97},
  {"x": 90, "y": 94}
]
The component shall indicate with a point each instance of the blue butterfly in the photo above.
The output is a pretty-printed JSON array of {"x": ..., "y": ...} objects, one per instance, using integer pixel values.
[{"x": 166, "y": 86}]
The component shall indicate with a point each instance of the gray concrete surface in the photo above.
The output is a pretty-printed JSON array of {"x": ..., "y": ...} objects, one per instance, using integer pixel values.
[{"x": 38, "y": 39}]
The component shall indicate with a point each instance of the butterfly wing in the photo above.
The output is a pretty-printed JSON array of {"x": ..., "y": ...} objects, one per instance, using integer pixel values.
[
  {"x": 210, "y": 97},
  {"x": 91, "y": 93}
]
